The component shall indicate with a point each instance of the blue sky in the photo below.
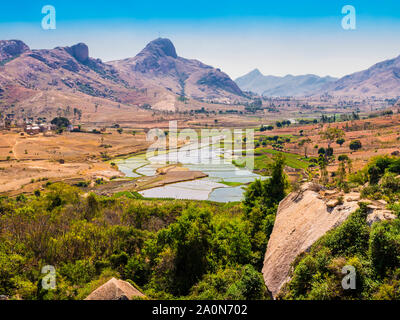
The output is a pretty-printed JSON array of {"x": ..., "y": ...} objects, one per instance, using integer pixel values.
[{"x": 278, "y": 37}]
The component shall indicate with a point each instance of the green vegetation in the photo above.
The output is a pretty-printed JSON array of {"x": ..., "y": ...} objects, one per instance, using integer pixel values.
[
  {"x": 292, "y": 160},
  {"x": 373, "y": 252},
  {"x": 61, "y": 122},
  {"x": 169, "y": 249},
  {"x": 355, "y": 145},
  {"x": 232, "y": 184}
]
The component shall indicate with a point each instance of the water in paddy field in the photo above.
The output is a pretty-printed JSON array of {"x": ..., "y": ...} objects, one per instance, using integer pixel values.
[{"x": 206, "y": 158}]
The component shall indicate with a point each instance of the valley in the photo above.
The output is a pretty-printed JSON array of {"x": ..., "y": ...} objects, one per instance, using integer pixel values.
[{"x": 312, "y": 187}]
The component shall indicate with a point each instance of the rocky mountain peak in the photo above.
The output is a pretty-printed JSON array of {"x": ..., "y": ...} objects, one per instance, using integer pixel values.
[
  {"x": 79, "y": 51},
  {"x": 12, "y": 48},
  {"x": 255, "y": 73},
  {"x": 161, "y": 47}
]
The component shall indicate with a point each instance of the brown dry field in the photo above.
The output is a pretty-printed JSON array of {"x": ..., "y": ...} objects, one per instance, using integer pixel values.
[
  {"x": 26, "y": 162},
  {"x": 379, "y": 136}
]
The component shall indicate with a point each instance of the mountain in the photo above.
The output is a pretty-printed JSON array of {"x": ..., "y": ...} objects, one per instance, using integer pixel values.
[
  {"x": 57, "y": 81},
  {"x": 382, "y": 79},
  {"x": 47, "y": 81},
  {"x": 11, "y": 49},
  {"x": 288, "y": 85},
  {"x": 159, "y": 65}
]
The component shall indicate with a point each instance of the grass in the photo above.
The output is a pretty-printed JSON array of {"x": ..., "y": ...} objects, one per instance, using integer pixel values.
[
  {"x": 292, "y": 160},
  {"x": 232, "y": 184},
  {"x": 262, "y": 162},
  {"x": 127, "y": 194}
]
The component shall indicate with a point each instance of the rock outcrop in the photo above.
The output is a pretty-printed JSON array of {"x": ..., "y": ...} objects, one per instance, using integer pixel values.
[
  {"x": 160, "y": 47},
  {"x": 158, "y": 64},
  {"x": 302, "y": 218},
  {"x": 12, "y": 48},
  {"x": 380, "y": 215},
  {"x": 80, "y": 52},
  {"x": 115, "y": 290}
]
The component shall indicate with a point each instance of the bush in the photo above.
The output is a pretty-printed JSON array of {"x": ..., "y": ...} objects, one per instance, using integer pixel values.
[
  {"x": 355, "y": 145},
  {"x": 384, "y": 246}
]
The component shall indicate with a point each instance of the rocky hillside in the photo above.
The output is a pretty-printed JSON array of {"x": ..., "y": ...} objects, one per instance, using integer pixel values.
[
  {"x": 43, "y": 81},
  {"x": 46, "y": 82},
  {"x": 272, "y": 86},
  {"x": 11, "y": 49},
  {"x": 302, "y": 218},
  {"x": 67, "y": 69},
  {"x": 158, "y": 64},
  {"x": 382, "y": 79}
]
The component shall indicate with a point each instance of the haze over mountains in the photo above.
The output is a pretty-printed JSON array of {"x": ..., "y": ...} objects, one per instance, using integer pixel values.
[
  {"x": 380, "y": 80},
  {"x": 273, "y": 86}
]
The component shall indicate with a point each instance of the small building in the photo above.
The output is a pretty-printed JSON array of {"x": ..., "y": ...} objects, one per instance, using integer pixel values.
[
  {"x": 44, "y": 127},
  {"x": 32, "y": 129}
]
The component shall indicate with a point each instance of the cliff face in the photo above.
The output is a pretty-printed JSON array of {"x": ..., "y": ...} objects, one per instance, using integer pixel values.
[{"x": 302, "y": 218}]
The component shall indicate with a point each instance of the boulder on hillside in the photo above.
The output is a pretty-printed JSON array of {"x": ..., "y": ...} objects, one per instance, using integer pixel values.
[
  {"x": 380, "y": 215},
  {"x": 115, "y": 290},
  {"x": 80, "y": 52},
  {"x": 302, "y": 218}
]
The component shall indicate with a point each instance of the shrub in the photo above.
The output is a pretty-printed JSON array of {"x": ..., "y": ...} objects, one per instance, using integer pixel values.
[
  {"x": 384, "y": 246},
  {"x": 355, "y": 145}
]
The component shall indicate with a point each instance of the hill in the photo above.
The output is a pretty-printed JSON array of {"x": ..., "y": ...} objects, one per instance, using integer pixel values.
[
  {"x": 273, "y": 86},
  {"x": 381, "y": 80}
]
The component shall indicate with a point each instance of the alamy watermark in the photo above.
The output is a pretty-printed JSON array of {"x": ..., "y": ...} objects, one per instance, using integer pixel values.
[
  {"x": 49, "y": 20},
  {"x": 49, "y": 280},
  {"x": 206, "y": 146},
  {"x": 349, "y": 281},
  {"x": 349, "y": 21}
]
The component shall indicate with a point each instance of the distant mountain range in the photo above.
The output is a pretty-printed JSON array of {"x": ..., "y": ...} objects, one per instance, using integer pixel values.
[
  {"x": 273, "y": 86},
  {"x": 48, "y": 81},
  {"x": 380, "y": 80},
  {"x": 156, "y": 77}
]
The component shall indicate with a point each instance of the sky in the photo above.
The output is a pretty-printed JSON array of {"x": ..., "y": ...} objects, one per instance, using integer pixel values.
[{"x": 277, "y": 37}]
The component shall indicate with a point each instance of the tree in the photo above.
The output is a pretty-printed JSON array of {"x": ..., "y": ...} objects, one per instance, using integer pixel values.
[
  {"x": 329, "y": 152},
  {"x": 340, "y": 141},
  {"x": 190, "y": 240},
  {"x": 271, "y": 191},
  {"x": 355, "y": 145},
  {"x": 120, "y": 130},
  {"x": 331, "y": 134},
  {"x": 322, "y": 162},
  {"x": 61, "y": 122},
  {"x": 343, "y": 159},
  {"x": 304, "y": 143}
]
